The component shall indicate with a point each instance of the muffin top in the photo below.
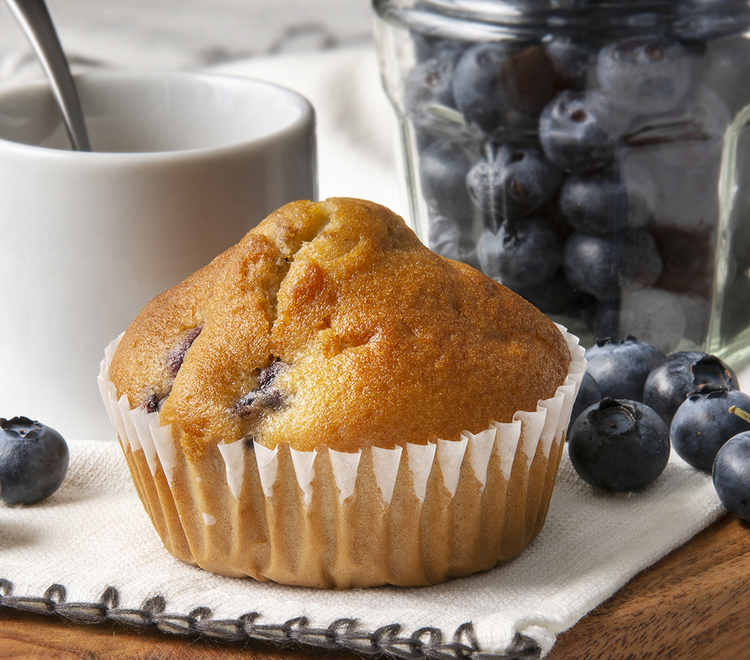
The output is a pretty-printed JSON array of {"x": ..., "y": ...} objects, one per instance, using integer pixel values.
[{"x": 331, "y": 325}]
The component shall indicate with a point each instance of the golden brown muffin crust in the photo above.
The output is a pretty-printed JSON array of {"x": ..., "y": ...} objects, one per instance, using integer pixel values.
[{"x": 331, "y": 324}]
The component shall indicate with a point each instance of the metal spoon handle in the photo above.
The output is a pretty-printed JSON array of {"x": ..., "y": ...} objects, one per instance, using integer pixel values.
[{"x": 36, "y": 22}]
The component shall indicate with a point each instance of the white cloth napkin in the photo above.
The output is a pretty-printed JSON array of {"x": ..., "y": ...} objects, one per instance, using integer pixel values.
[{"x": 93, "y": 536}]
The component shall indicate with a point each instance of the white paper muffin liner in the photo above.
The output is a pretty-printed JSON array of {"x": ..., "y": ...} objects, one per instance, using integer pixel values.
[{"x": 412, "y": 515}]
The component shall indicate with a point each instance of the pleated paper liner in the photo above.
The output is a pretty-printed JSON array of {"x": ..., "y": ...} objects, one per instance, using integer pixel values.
[{"x": 413, "y": 515}]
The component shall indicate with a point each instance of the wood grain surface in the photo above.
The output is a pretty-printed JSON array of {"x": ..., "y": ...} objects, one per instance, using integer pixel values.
[{"x": 692, "y": 605}]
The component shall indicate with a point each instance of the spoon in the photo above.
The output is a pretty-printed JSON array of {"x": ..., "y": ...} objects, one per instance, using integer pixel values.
[{"x": 36, "y": 22}]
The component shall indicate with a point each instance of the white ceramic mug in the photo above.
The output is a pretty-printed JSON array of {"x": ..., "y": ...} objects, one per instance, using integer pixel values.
[{"x": 182, "y": 166}]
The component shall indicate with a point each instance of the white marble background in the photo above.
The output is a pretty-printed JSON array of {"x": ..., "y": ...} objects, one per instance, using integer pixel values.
[{"x": 185, "y": 34}]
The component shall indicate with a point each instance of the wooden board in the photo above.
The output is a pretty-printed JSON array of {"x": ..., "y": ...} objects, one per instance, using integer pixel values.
[{"x": 694, "y": 604}]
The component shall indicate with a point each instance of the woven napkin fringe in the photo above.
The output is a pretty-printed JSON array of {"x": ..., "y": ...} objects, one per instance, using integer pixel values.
[{"x": 343, "y": 633}]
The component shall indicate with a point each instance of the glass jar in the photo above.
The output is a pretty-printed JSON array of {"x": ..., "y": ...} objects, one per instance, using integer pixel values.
[{"x": 589, "y": 154}]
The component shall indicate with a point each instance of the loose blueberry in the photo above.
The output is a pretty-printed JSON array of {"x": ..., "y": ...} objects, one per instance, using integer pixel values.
[
  {"x": 603, "y": 265},
  {"x": 731, "y": 475},
  {"x": 679, "y": 376},
  {"x": 520, "y": 254},
  {"x": 622, "y": 367},
  {"x": 33, "y": 461},
  {"x": 703, "y": 423},
  {"x": 619, "y": 445},
  {"x": 579, "y": 131},
  {"x": 645, "y": 75},
  {"x": 512, "y": 181},
  {"x": 497, "y": 86}
]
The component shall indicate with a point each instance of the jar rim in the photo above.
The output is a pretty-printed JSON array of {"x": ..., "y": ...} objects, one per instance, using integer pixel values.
[{"x": 491, "y": 20}]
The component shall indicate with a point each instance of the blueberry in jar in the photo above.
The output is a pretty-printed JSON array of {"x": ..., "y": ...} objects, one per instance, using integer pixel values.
[
  {"x": 431, "y": 81},
  {"x": 498, "y": 86},
  {"x": 557, "y": 296},
  {"x": 731, "y": 475},
  {"x": 580, "y": 131},
  {"x": 645, "y": 75},
  {"x": 573, "y": 61},
  {"x": 703, "y": 423},
  {"x": 619, "y": 445},
  {"x": 590, "y": 263},
  {"x": 681, "y": 374},
  {"x": 602, "y": 202},
  {"x": 606, "y": 321},
  {"x": 512, "y": 181},
  {"x": 444, "y": 236},
  {"x": 621, "y": 367},
  {"x": 603, "y": 265},
  {"x": 443, "y": 167},
  {"x": 428, "y": 96},
  {"x": 520, "y": 254},
  {"x": 687, "y": 195},
  {"x": 449, "y": 239},
  {"x": 33, "y": 461}
]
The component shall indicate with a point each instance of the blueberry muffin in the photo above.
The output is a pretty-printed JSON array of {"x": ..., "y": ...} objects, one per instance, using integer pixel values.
[{"x": 329, "y": 385}]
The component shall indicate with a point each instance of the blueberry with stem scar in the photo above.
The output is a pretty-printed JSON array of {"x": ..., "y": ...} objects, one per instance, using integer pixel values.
[
  {"x": 621, "y": 368},
  {"x": 619, "y": 445},
  {"x": 679, "y": 376},
  {"x": 33, "y": 461}
]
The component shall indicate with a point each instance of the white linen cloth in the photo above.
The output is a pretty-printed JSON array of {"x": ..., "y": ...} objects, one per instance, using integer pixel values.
[{"x": 94, "y": 534}]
